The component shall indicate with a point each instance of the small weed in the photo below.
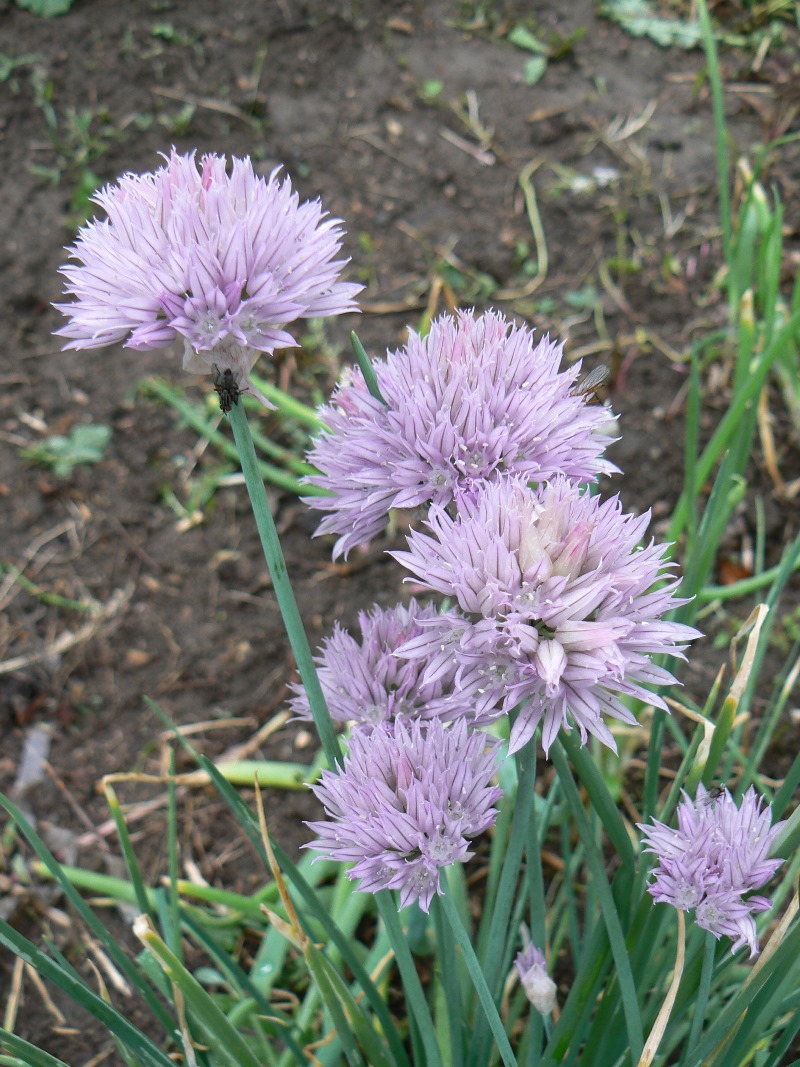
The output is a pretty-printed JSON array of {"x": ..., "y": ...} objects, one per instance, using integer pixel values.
[
  {"x": 180, "y": 123},
  {"x": 46, "y": 9},
  {"x": 584, "y": 299},
  {"x": 85, "y": 445},
  {"x": 468, "y": 283},
  {"x": 78, "y": 137},
  {"x": 9, "y": 65},
  {"x": 430, "y": 91},
  {"x": 166, "y": 35}
]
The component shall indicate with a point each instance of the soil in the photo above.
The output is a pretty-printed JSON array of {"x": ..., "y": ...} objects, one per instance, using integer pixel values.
[{"x": 367, "y": 106}]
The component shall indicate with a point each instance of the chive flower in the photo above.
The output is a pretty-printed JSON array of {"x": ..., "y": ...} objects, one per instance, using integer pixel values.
[
  {"x": 718, "y": 854},
  {"x": 473, "y": 400},
  {"x": 223, "y": 261},
  {"x": 407, "y": 803},
  {"x": 561, "y": 611}
]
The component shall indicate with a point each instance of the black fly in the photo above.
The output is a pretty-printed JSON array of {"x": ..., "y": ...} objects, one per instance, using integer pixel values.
[
  {"x": 227, "y": 388},
  {"x": 715, "y": 793}
]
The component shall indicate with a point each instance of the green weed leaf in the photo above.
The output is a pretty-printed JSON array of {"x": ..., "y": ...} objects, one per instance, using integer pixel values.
[
  {"x": 46, "y": 9},
  {"x": 86, "y": 444}
]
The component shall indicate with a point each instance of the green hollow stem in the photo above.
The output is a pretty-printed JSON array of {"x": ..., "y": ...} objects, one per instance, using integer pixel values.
[
  {"x": 744, "y": 587},
  {"x": 412, "y": 987},
  {"x": 284, "y": 593},
  {"x": 701, "y": 997},
  {"x": 289, "y": 405},
  {"x": 464, "y": 942},
  {"x": 279, "y": 476}
]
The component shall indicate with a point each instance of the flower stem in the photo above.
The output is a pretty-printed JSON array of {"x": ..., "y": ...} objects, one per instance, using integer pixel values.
[
  {"x": 280, "y": 581},
  {"x": 479, "y": 982},
  {"x": 701, "y": 996},
  {"x": 412, "y": 987}
]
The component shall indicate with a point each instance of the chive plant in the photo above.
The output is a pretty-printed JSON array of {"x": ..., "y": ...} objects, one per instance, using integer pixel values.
[{"x": 586, "y": 934}]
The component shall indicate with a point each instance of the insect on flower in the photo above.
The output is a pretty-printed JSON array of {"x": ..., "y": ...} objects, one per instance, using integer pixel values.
[
  {"x": 709, "y": 799},
  {"x": 227, "y": 388},
  {"x": 591, "y": 382}
]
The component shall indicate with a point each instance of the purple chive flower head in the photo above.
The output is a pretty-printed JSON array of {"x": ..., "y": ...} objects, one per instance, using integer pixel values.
[
  {"x": 561, "y": 610},
  {"x": 473, "y": 400},
  {"x": 540, "y": 989},
  {"x": 718, "y": 853},
  {"x": 407, "y": 803},
  {"x": 223, "y": 261},
  {"x": 366, "y": 683}
]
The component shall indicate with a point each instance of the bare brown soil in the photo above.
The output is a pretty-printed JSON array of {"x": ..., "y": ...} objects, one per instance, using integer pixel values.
[{"x": 343, "y": 95}]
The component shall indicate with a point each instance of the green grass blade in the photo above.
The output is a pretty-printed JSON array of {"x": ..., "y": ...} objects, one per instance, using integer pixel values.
[
  {"x": 228, "y": 1044},
  {"x": 720, "y": 132},
  {"x": 785, "y": 794},
  {"x": 289, "y": 405},
  {"x": 701, "y": 997},
  {"x": 87, "y": 915},
  {"x": 30, "y": 1055},
  {"x": 86, "y": 998},
  {"x": 366, "y": 368},
  {"x": 727, "y": 1020},
  {"x": 143, "y": 899},
  {"x": 207, "y": 428},
  {"x": 730, "y": 424},
  {"x": 569, "y": 1034},
  {"x": 767, "y": 1004},
  {"x": 448, "y": 975},
  {"x": 602, "y": 801},
  {"x": 498, "y": 851},
  {"x": 476, "y": 974},
  {"x": 174, "y": 932},
  {"x": 691, "y": 449},
  {"x": 499, "y": 908},
  {"x": 417, "y": 1005},
  {"x": 358, "y": 1023},
  {"x": 608, "y": 908},
  {"x": 249, "y": 824},
  {"x": 779, "y": 1050}
]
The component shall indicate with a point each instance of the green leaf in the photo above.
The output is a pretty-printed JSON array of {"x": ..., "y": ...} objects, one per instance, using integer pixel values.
[
  {"x": 522, "y": 37},
  {"x": 204, "y": 1012},
  {"x": 30, "y": 1054},
  {"x": 636, "y": 18},
  {"x": 534, "y": 70},
  {"x": 114, "y": 949},
  {"x": 86, "y": 444},
  {"x": 149, "y": 1053},
  {"x": 46, "y": 9}
]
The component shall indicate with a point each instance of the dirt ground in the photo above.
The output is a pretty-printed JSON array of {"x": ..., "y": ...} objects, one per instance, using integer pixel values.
[{"x": 413, "y": 122}]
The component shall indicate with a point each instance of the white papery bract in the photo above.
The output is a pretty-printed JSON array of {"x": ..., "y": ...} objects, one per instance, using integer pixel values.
[
  {"x": 224, "y": 261},
  {"x": 473, "y": 400},
  {"x": 561, "y": 610},
  {"x": 407, "y": 803},
  {"x": 540, "y": 989}
]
